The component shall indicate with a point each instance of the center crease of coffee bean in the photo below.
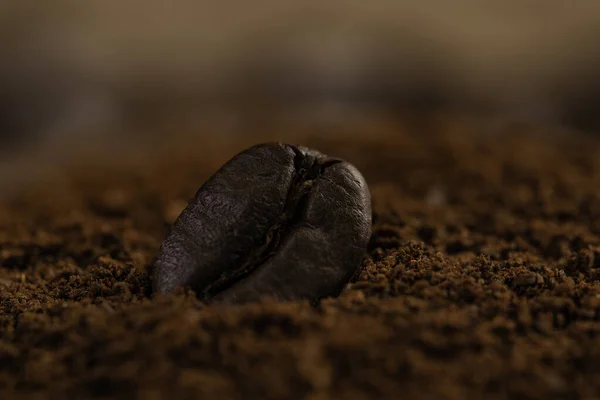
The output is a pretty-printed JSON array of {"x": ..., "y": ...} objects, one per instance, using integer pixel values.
[{"x": 307, "y": 170}]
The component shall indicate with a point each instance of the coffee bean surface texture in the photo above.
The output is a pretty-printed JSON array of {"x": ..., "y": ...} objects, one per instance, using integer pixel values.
[{"x": 278, "y": 221}]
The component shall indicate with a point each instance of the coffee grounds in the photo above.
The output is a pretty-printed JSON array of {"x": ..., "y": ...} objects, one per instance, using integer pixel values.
[{"x": 480, "y": 281}]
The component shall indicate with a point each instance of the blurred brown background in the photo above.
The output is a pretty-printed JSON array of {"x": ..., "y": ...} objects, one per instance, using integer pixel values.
[{"x": 70, "y": 68}]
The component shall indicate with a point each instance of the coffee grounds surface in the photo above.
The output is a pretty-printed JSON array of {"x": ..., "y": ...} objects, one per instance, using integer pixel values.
[{"x": 481, "y": 280}]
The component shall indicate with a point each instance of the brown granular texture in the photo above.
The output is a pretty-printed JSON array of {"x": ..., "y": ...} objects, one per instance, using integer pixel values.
[{"x": 481, "y": 280}]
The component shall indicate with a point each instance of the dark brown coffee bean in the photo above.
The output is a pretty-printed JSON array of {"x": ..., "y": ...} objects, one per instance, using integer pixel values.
[{"x": 276, "y": 220}]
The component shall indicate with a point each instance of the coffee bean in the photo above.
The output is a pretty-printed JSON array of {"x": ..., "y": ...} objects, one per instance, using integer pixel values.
[{"x": 276, "y": 220}]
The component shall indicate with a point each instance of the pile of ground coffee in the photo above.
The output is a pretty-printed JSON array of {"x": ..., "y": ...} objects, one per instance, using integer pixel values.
[{"x": 481, "y": 279}]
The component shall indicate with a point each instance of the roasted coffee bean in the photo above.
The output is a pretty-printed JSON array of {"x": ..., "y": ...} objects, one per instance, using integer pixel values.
[{"x": 276, "y": 220}]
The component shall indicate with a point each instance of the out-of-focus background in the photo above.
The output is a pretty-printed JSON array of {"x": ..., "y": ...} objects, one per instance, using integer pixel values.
[{"x": 96, "y": 69}]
